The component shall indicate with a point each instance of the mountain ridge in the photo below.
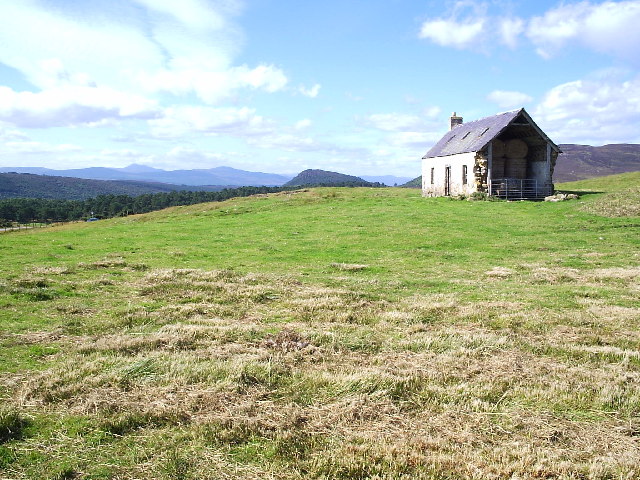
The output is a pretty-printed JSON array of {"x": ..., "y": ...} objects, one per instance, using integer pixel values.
[
  {"x": 579, "y": 162},
  {"x": 29, "y": 185},
  {"x": 222, "y": 176}
]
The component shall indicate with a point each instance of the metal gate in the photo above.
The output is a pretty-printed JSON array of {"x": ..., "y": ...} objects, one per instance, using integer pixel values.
[{"x": 519, "y": 189}]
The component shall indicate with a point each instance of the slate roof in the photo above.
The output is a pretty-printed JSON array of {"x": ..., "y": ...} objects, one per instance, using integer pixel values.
[{"x": 474, "y": 136}]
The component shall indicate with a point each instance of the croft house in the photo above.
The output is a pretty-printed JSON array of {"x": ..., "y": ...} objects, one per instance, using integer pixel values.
[{"x": 506, "y": 155}]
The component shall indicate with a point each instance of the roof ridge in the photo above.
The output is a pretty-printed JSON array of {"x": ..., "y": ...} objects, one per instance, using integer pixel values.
[{"x": 494, "y": 115}]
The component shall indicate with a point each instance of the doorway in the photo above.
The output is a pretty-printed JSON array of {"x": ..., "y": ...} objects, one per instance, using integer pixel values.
[{"x": 447, "y": 181}]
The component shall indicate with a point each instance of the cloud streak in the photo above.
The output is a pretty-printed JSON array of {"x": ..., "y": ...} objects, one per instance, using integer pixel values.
[{"x": 509, "y": 99}]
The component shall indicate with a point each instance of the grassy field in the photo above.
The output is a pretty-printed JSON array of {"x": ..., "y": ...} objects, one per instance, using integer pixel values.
[{"x": 328, "y": 333}]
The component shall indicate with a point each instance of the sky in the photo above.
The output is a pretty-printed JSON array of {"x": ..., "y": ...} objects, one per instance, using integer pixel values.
[{"x": 362, "y": 87}]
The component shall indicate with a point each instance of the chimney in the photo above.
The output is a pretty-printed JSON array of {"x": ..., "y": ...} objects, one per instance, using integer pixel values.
[{"x": 455, "y": 121}]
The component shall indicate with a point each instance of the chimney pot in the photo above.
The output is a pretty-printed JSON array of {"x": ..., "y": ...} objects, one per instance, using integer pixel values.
[{"x": 455, "y": 121}]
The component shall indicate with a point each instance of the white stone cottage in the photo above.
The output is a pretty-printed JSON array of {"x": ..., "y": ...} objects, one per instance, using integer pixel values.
[{"x": 506, "y": 155}]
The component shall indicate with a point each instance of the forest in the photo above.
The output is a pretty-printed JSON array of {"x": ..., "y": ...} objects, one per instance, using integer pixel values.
[{"x": 44, "y": 211}]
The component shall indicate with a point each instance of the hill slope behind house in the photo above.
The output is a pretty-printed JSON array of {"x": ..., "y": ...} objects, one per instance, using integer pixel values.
[
  {"x": 415, "y": 183},
  {"x": 620, "y": 198},
  {"x": 578, "y": 162},
  {"x": 26, "y": 185},
  {"x": 213, "y": 176},
  {"x": 324, "y": 177},
  {"x": 324, "y": 333}
]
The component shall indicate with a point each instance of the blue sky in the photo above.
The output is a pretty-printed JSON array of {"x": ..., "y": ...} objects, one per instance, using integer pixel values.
[{"x": 362, "y": 87}]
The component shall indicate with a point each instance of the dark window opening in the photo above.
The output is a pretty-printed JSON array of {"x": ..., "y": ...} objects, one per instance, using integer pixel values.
[
  {"x": 433, "y": 173},
  {"x": 464, "y": 174},
  {"x": 447, "y": 181}
]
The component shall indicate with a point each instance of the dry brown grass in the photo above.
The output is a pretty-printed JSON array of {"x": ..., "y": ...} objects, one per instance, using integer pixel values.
[
  {"x": 349, "y": 267},
  {"x": 624, "y": 203},
  {"x": 263, "y": 376}
]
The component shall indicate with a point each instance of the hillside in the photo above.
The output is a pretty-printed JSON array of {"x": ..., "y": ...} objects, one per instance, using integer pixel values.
[
  {"x": 415, "y": 183},
  {"x": 578, "y": 162},
  {"x": 212, "y": 176},
  {"x": 330, "y": 333},
  {"x": 323, "y": 177},
  {"x": 25, "y": 185}
]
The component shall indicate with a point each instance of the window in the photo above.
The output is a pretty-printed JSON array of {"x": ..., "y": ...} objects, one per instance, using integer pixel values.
[
  {"x": 464, "y": 174},
  {"x": 432, "y": 175}
]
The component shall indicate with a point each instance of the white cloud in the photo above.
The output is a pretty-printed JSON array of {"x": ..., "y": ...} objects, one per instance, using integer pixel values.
[
  {"x": 453, "y": 33},
  {"x": 194, "y": 13},
  {"x": 31, "y": 35},
  {"x": 594, "y": 111},
  {"x": 414, "y": 140},
  {"x": 510, "y": 30},
  {"x": 9, "y": 134},
  {"x": 302, "y": 124},
  {"x": 432, "y": 112},
  {"x": 71, "y": 105},
  {"x": 189, "y": 158},
  {"x": 409, "y": 134},
  {"x": 186, "y": 120},
  {"x": 137, "y": 46},
  {"x": 470, "y": 26},
  {"x": 286, "y": 141},
  {"x": 509, "y": 99},
  {"x": 31, "y": 147},
  {"x": 608, "y": 27},
  {"x": 213, "y": 86},
  {"x": 311, "y": 92}
]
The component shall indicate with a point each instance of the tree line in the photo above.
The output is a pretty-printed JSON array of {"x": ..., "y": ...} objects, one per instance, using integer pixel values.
[{"x": 40, "y": 210}]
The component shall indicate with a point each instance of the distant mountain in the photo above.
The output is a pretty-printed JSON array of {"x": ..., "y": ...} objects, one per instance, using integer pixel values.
[
  {"x": 389, "y": 180},
  {"x": 323, "y": 177},
  {"x": 213, "y": 176},
  {"x": 578, "y": 162},
  {"x": 28, "y": 185}
]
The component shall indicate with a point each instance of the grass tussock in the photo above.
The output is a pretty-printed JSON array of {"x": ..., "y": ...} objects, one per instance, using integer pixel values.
[
  {"x": 12, "y": 424},
  {"x": 625, "y": 203}
]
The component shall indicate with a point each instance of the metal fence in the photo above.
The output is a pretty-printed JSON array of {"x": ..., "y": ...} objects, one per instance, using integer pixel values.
[{"x": 519, "y": 188}]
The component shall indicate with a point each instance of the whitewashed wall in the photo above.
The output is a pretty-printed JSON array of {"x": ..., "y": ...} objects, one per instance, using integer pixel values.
[{"x": 455, "y": 162}]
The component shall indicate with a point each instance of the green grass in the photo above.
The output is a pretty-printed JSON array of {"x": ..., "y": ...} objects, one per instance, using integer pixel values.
[{"x": 327, "y": 333}]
